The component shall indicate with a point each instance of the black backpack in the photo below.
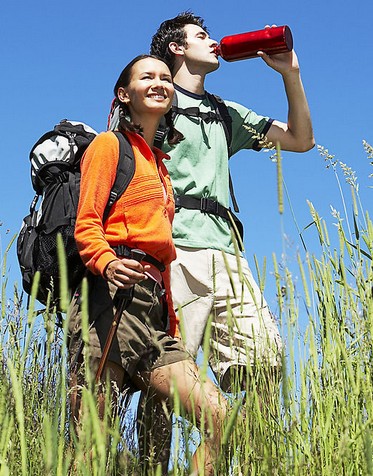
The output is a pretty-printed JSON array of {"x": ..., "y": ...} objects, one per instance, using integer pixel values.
[{"x": 55, "y": 175}]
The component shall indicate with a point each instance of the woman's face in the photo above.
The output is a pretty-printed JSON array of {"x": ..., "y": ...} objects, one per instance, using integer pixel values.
[{"x": 150, "y": 89}]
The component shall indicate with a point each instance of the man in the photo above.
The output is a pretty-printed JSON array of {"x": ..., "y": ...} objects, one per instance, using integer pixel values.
[{"x": 206, "y": 282}]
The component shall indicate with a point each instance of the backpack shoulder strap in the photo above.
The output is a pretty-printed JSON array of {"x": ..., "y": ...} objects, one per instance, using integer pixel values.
[
  {"x": 162, "y": 130},
  {"x": 220, "y": 106},
  {"x": 125, "y": 172},
  {"x": 226, "y": 119}
]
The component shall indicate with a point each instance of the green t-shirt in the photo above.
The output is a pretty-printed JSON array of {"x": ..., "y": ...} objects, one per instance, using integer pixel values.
[{"x": 199, "y": 167}]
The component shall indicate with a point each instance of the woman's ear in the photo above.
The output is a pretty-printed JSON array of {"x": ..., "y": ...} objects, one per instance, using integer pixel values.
[
  {"x": 176, "y": 49},
  {"x": 122, "y": 95}
]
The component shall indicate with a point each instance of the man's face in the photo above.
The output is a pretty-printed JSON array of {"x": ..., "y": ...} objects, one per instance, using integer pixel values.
[{"x": 200, "y": 49}]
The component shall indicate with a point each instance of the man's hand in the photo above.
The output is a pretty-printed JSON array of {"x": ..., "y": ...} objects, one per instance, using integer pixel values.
[
  {"x": 283, "y": 63},
  {"x": 125, "y": 272}
]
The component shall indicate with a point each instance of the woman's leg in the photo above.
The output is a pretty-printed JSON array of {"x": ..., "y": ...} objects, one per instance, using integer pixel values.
[
  {"x": 113, "y": 373},
  {"x": 154, "y": 431},
  {"x": 198, "y": 397}
]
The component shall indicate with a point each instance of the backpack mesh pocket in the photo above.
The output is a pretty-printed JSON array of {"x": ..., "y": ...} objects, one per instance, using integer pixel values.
[{"x": 46, "y": 259}]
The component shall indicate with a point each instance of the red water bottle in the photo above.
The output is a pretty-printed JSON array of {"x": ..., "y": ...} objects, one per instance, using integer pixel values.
[{"x": 274, "y": 40}]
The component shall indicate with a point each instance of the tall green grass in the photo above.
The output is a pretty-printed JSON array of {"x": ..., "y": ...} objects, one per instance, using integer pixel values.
[{"x": 319, "y": 421}]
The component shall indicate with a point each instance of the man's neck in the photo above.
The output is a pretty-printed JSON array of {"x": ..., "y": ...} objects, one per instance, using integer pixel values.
[{"x": 193, "y": 82}]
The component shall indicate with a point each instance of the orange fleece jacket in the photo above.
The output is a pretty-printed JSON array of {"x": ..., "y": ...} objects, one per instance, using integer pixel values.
[{"x": 141, "y": 218}]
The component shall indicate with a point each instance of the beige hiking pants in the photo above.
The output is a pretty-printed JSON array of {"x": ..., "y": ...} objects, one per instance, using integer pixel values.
[{"x": 243, "y": 330}]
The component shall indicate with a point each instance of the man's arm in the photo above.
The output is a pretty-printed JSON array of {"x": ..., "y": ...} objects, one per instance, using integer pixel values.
[{"x": 296, "y": 135}]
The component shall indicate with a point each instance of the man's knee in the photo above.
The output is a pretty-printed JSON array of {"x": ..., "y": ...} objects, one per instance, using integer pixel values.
[{"x": 239, "y": 378}]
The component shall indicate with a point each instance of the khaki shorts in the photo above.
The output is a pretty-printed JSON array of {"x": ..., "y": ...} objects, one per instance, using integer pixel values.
[
  {"x": 243, "y": 330},
  {"x": 141, "y": 342}
]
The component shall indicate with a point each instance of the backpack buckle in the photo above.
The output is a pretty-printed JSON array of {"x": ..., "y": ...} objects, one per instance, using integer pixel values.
[
  {"x": 209, "y": 206},
  {"x": 177, "y": 202}
]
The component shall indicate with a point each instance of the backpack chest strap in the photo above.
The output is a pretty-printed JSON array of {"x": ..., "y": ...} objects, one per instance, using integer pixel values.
[
  {"x": 204, "y": 204},
  {"x": 212, "y": 207},
  {"x": 209, "y": 116}
]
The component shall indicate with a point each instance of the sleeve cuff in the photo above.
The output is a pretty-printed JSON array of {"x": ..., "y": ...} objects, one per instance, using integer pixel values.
[
  {"x": 256, "y": 145},
  {"x": 103, "y": 261}
]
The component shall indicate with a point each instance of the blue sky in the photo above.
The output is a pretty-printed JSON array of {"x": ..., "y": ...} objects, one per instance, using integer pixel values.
[{"x": 61, "y": 60}]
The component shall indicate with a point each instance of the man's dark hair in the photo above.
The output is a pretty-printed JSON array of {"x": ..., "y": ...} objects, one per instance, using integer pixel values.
[{"x": 173, "y": 30}]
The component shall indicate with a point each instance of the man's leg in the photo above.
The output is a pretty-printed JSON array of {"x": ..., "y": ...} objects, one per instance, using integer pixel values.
[
  {"x": 244, "y": 333},
  {"x": 192, "y": 294},
  {"x": 246, "y": 352}
]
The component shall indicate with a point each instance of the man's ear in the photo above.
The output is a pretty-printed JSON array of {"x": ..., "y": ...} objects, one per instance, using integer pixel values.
[
  {"x": 122, "y": 95},
  {"x": 176, "y": 49}
]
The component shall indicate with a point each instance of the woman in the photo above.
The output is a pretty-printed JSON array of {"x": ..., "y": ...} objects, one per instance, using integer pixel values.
[{"x": 146, "y": 350}]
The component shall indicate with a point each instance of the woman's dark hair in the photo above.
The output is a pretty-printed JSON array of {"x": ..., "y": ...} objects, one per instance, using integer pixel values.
[
  {"x": 125, "y": 123},
  {"x": 173, "y": 30}
]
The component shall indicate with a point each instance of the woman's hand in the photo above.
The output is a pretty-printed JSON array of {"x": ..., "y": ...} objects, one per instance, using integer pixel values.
[{"x": 125, "y": 272}]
